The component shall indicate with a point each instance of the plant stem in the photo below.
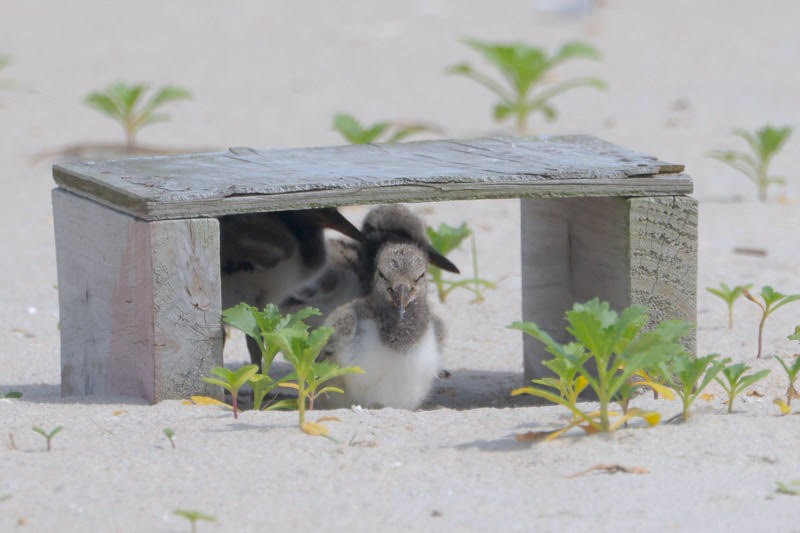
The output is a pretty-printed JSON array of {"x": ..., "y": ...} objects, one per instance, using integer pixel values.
[
  {"x": 301, "y": 400},
  {"x": 602, "y": 397},
  {"x": 235, "y": 403},
  {"x": 477, "y": 290},
  {"x": 130, "y": 137},
  {"x": 761, "y": 333},
  {"x": 522, "y": 118},
  {"x": 730, "y": 315}
]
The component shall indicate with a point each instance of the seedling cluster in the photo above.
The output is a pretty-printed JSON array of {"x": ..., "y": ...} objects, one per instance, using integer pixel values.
[
  {"x": 300, "y": 346},
  {"x": 613, "y": 355},
  {"x": 608, "y": 351}
]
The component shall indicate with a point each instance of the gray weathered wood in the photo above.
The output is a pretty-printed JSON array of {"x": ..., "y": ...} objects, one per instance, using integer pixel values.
[
  {"x": 139, "y": 275},
  {"x": 245, "y": 180},
  {"x": 627, "y": 251},
  {"x": 139, "y": 302}
]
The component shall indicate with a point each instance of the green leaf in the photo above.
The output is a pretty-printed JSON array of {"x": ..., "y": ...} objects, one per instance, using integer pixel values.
[
  {"x": 194, "y": 516},
  {"x": 576, "y": 49},
  {"x": 354, "y": 132},
  {"x": 591, "y": 325},
  {"x": 534, "y": 331},
  {"x": 242, "y": 317},
  {"x": 501, "y": 111},
  {"x": 750, "y": 379},
  {"x": 166, "y": 94},
  {"x": 447, "y": 238},
  {"x": 104, "y": 104},
  {"x": 289, "y": 404}
]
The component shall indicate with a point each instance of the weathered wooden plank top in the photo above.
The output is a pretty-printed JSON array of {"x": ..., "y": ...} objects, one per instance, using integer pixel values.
[{"x": 244, "y": 180}]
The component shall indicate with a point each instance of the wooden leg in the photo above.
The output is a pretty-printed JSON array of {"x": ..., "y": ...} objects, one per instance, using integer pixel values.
[
  {"x": 627, "y": 251},
  {"x": 139, "y": 302}
]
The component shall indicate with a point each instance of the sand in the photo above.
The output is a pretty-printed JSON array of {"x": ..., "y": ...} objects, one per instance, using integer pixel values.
[{"x": 681, "y": 74}]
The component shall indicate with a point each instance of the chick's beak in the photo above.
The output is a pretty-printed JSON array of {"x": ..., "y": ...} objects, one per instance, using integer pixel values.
[{"x": 402, "y": 297}]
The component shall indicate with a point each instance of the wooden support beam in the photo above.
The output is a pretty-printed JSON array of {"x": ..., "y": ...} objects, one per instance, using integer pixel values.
[
  {"x": 139, "y": 302},
  {"x": 627, "y": 251}
]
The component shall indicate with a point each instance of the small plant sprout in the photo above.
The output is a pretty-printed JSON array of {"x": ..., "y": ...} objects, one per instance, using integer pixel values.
[
  {"x": 48, "y": 436},
  {"x": 792, "y": 488},
  {"x": 232, "y": 381},
  {"x": 301, "y": 348},
  {"x": 258, "y": 324},
  {"x": 444, "y": 240},
  {"x": 609, "y": 349},
  {"x": 122, "y": 103},
  {"x": 764, "y": 144},
  {"x": 170, "y": 434},
  {"x": 194, "y": 516},
  {"x": 729, "y": 296},
  {"x": 385, "y": 131},
  {"x": 689, "y": 376},
  {"x": 736, "y": 381},
  {"x": 771, "y": 301},
  {"x": 792, "y": 370},
  {"x": 522, "y": 70}
]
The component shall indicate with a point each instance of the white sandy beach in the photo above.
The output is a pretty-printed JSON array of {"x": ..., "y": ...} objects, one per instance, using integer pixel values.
[{"x": 681, "y": 75}]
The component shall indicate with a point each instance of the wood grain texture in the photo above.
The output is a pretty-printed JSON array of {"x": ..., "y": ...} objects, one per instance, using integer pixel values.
[
  {"x": 139, "y": 302},
  {"x": 244, "y": 180},
  {"x": 187, "y": 307},
  {"x": 663, "y": 258},
  {"x": 546, "y": 278},
  {"x": 627, "y": 251}
]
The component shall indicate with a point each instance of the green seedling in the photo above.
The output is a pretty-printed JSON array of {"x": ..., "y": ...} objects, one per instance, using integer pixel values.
[
  {"x": 301, "y": 347},
  {"x": 258, "y": 324},
  {"x": 736, "y": 381},
  {"x": 232, "y": 381},
  {"x": 771, "y": 301},
  {"x": 792, "y": 370},
  {"x": 48, "y": 436},
  {"x": 194, "y": 516},
  {"x": 523, "y": 69},
  {"x": 689, "y": 376},
  {"x": 729, "y": 296},
  {"x": 123, "y": 103},
  {"x": 13, "y": 394},
  {"x": 764, "y": 144},
  {"x": 609, "y": 350},
  {"x": 170, "y": 436},
  {"x": 791, "y": 488},
  {"x": 444, "y": 240},
  {"x": 385, "y": 131}
]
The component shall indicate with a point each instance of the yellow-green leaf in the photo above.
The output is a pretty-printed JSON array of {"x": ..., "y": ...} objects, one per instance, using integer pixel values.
[
  {"x": 663, "y": 390},
  {"x": 312, "y": 428},
  {"x": 580, "y": 384},
  {"x": 206, "y": 400},
  {"x": 651, "y": 417},
  {"x": 785, "y": 409}
]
